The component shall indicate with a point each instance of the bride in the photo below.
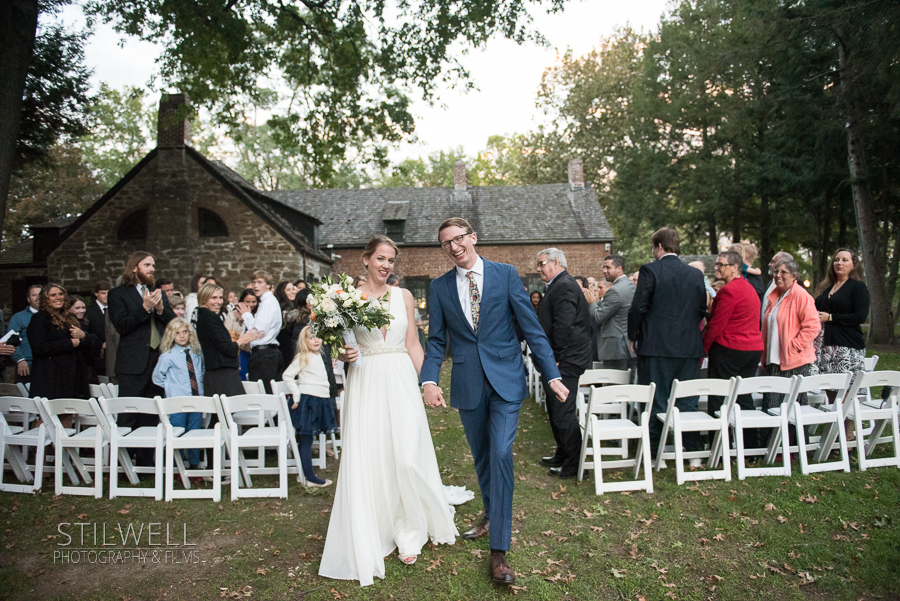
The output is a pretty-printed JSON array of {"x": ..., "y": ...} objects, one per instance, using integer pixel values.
[{"x": 389, "y": 493}]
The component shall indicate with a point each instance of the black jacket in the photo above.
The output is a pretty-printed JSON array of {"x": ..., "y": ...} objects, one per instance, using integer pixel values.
[
  {"x": 849, "y": 308},
  {"x": 132, "y": 322},
  {"x": 564, "y": 316},
  {"x": 218, "y": 349},
  {"x": 58, "y": 370},
  {"x": 665, "y": 314},
  {"x": 96, "y": 320}
]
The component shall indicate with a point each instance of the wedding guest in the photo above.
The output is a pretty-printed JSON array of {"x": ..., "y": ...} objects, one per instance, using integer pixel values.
[
  {"x": 190, "y": 301},
  {"x": 536, "y": 298},
  {"x": 393, "y": 280},
  {"x": 166, "y": 285},
  {"x": 609, "y": 310},
  {"x": 179, "y": 372},
  {"x": 286, "y": 294},
  {"x": 664, "y": 327},
  {"x": 752, "y": 274},
  {"x": 22, "y": 356},
  {"x": 360, "y": 279},
  {"x": 251, "y": 301},
  {"x": 732, "y": 338},
  {"x": 140, "y": 317},
  {"x": 220, "y": 350},
  {"x": 779, "y": 256},
  {"x": 266, "y": 362},
  {"x": 300, "y": 284},
  {"x": 58, "y": 367},
  {"x": 789, "y": 330},
  {"x": 312, "y": 412},
  {"x": 842, "y": 302},
  {"x": 178, "y": 306},
  {"x": 565, "y": 319},
  {"x": 96, "y": 325}
]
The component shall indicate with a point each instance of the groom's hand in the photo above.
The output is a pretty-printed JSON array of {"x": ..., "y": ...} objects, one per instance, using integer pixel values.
[
  {"x": 562, "y": 393},
  {"x": 434, "y": 396}
]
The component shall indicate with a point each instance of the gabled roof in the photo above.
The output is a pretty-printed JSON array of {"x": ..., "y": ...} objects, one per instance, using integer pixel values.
[
  {"x": 550, "y": 213},
  {"x": 283, "y": 219},
  {"x": 18, "y": 255}
]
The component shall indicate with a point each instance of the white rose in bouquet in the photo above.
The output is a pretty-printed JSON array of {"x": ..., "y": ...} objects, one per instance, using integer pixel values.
[
  {"x": 312, "y": 300},
  {"x": 348, "y": 303},
  {"x": 344, "y": 296},
  {"x": 328, "y": 306},
  {"x": 331, "y": 322}
]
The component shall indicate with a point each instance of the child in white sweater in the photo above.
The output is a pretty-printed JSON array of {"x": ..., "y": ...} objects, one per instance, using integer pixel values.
[{"x": 312, "y": 411}]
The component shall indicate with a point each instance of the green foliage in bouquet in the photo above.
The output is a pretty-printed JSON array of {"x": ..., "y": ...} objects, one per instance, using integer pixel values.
[{"x": 338, "y": 307}]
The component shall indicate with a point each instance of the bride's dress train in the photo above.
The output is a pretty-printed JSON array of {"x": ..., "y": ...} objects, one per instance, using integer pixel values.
[{"x": 389, "y": 493}]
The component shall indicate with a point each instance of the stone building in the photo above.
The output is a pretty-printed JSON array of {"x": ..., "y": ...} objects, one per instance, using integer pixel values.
[{"x": 198, "y": 216}]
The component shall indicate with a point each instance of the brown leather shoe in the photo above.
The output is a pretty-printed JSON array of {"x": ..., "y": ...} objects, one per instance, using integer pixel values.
[
  {"x": 482, "y": 529},
  {"x": 501, "y": 573}
]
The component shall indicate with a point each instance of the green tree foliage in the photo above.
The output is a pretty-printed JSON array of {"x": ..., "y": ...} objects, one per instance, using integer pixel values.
[
  {"x": 59, "y": 186},
  {"x": 350, "y": 67},
  {"x": 122, "y": 131}
]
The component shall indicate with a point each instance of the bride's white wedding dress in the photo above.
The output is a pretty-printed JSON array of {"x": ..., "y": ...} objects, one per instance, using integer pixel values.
[{"x": 389, "y": 493}]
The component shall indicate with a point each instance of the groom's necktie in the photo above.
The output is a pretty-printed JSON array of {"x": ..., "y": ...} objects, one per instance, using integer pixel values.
[{"x": 475, "y": 298}]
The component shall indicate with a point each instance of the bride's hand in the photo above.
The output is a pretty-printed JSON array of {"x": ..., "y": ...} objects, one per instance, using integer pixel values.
[{"x": 349, "y": 353}]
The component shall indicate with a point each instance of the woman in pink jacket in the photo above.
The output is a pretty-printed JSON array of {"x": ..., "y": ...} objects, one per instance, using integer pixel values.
[{"x": 789, "y": 328}]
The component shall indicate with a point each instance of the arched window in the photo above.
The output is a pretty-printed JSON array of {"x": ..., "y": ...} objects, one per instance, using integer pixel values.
[
  {"x": 134, "y": 227},
  {"x": 210, "y": 225}
]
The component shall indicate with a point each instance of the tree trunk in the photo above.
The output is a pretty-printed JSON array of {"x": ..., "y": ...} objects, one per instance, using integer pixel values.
[
  {"x": 736, "y": 223},
  {"x": 892, "y": 280},
  {"x": 879, "y": 321},
  {"x": 18, "y": 28},
  {"x": 713, "y": 236},
  {"x": 765, "y": 233}
]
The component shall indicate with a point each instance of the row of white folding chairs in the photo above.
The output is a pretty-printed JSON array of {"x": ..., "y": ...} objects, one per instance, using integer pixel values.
[{"x": 162, "y": 437}]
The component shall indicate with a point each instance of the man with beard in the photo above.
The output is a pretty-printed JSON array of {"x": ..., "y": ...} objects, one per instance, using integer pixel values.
[{"x": 139, "y": 314}]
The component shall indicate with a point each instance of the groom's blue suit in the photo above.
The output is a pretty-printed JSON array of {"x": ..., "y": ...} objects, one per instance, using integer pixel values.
[{"x": 488, "y": 382}]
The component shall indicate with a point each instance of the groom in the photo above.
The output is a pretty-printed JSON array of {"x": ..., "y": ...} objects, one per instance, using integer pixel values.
[{"x": 474, "y": 306}]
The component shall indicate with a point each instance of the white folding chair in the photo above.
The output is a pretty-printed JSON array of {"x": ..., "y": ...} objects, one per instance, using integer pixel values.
[
  {"x": 144, "y": 437},
  {"x": 869, "y": 364},
  {"x": 253, "y": 387},
  {"x": 882, "y": 414},
  {"x": 801, "y": 416},
  {"x": 96, "y": 391},
  {"x": 741, "y": 419},
  {"x": 614, "y": 400},
  {"x": 10, "y": 389},
  {"x": 203, "y": 438},
  {"x": 69, "y": 443},
  {"x": 260, "y": 436},
  {"x": 15, "y": 441},
  {"x": 319, "y": 462},
  {"x": 694, "y": 421},
  {"x": 248, "y": 419},
  {"x": 285, "y": 415},
  {"x": 109, "y": 390},
  {"x": 592, "y": 378}
]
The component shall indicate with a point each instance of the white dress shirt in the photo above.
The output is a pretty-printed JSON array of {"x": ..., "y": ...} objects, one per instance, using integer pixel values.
[
  {"x": 462, "y": 287},
  {"x": 102, "y": 307},
  {"x": 267, "y": 319}
]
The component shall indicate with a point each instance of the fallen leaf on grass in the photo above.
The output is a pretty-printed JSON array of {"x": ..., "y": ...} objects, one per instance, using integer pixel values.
[
  {"x": 809, "y": 499},
  {"x": 704, "y": 541},
  {"x": 596, "y": 529},
  {"x": 554, "y": 496},
  {"x": 719, "y": 537},
  {"x": 549, "y": 533},
  {"x": 516, "y": 589},
  {"x": 478, "y": 553},
  {"x": 80, "y": 516},
  {"x": 634, "y": 553},
  {"x": 123, "y": 511},
  {"x": 781, "y": 519},
  {"x": 769, "y": 507},
  {"x": 562, "y": 488},
  {"x": 338, "y": 595},
  {"x": 435, "y": 563},
  {"x": 261, "y": 571},
  {"x": 716, "y": 578}
]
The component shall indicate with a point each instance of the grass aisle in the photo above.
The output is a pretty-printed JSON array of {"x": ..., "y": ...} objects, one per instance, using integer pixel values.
[{"x": 825, "y": 536}]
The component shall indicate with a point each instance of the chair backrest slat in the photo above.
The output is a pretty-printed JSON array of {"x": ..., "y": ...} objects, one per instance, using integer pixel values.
[
  {"x": 868, "y": 379},
  {"x": 611, "y": 400},
  {"x": 8, "y": 389},
  {"x": 707, "y": 387},
  {"x": 598, "y": 377}
]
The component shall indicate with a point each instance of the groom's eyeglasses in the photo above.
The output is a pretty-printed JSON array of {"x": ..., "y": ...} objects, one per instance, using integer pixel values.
[{"x": 457, "y": 240}]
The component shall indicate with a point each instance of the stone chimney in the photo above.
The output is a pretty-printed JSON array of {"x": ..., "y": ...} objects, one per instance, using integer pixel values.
[
  {"x": 459, "y": 175},
  {"x": 576, "y": 174},
  {"x": 173, "y": 128}
]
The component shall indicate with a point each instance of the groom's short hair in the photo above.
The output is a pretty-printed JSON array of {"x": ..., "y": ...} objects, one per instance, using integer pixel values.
[{"x": 455, "y": 222}]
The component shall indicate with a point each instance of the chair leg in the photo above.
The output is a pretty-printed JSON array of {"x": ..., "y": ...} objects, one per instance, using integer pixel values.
[
  {"x": 235, "y": 450},
  {"x": 583, "y": 455},
  {"x": 57, "y": 467},
  {"x": 217, "y": 468},
  {"x": 598, "y": 468},
  {"x": 785, "y": 442},
  {"x": 158, "y": 468},
  {"x": 739, "y": 444},
  {"x": 679, "y": 449},
  {"x": 722, "y": 435},
  {"x": 645, "y": 451},
  {"x": 39, "y": 458},
  {"x": 801, "y": 442},
  {"x": 113, "y": 465},
  {"x": 170, "y": 469}
]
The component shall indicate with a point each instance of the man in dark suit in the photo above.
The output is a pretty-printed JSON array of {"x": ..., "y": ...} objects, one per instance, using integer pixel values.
[
  {"x": 563, "y": 314},
  {"x": 140, "y": 315},
  {"x": 664, "y": 328},
  {"x": 473, "y": 307},
  {"x": 96, "y": 325},
  {"x": 609, "y": 310}
]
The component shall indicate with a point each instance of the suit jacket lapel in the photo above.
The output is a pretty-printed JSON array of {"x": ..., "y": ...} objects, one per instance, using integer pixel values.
[{"x": 454, "y": 294}]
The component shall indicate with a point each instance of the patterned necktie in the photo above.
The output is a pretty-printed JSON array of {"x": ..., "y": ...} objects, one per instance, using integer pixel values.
[
  {"x": 475, "y": 298},
  {"x": 195, "y": 388},
  {"x": 155, "y": 338}
]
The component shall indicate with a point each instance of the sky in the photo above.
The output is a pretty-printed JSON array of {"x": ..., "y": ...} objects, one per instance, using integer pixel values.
[{"x": 506, "y": 75}]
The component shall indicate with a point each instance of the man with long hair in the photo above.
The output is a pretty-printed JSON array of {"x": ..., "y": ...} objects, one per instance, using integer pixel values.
[{"x": 140, "y": 314}]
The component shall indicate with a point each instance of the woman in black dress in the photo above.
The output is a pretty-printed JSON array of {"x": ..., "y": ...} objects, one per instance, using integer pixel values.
[
  {"x": 842, "y": 301},
  {"x": 220, "y": 351},
  {"x": 58, "y": 370}
]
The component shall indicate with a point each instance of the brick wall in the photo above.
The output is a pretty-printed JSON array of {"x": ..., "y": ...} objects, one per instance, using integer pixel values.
[
  {"x": 583, "y": 259},
  {"x": 171, "y": 188}
]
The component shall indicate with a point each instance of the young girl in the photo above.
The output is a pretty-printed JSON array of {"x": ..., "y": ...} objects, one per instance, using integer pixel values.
[
  {"x": 179, "y": 349},
  {"x": 312, "y": 411}
]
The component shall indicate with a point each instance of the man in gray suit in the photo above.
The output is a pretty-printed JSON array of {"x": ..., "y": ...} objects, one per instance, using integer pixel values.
[{"x": 610, "y": 311}]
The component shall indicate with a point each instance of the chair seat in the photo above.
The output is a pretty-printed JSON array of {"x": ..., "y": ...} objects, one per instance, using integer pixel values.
[
  {"x": 250, "y": 417},
  {"x": 615, "y": 428},
  {"x": 749, "y": 418},
  {"x": 258, "y": 435},
  {"x": 811, "y": 415},
  {"x": 16, "y": 429},
  {"x": 92, "y": 432},
  {"x": 203, "y": 434}
]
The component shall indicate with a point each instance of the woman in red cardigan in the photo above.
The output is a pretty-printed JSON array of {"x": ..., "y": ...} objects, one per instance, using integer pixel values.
[{"x": 732, "y": 338}]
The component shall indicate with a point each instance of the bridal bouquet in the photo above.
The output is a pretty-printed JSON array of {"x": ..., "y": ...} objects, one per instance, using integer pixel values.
[{"x": 338, "y": 307}]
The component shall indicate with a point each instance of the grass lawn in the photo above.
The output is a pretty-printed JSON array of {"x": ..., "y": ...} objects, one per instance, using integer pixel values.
[{"x": 825, "y": 536}]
